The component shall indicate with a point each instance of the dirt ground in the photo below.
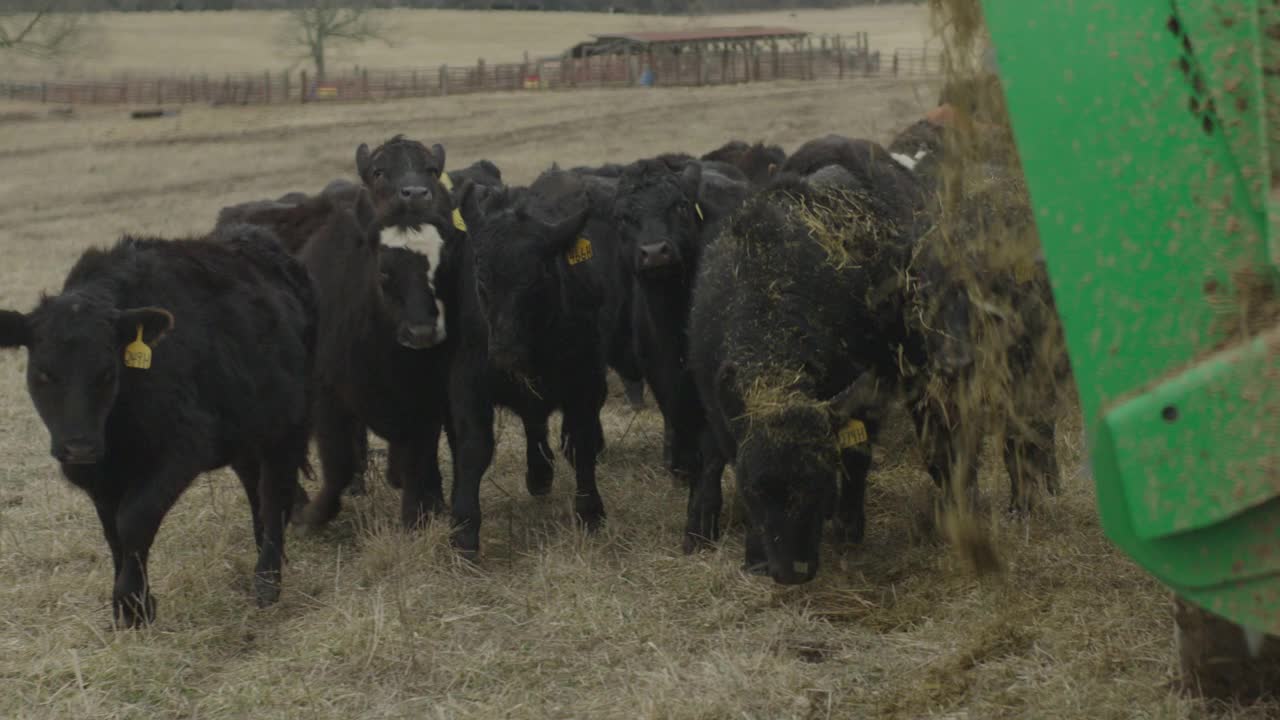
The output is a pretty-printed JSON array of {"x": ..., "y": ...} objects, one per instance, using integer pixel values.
[
  {"x": 375, "y": 623},
  {"x": 228, "y": 42}
]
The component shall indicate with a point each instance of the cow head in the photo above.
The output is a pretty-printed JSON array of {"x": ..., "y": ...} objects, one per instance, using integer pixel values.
[
  {"x": 659, "y": 217},
  {"x": 408, "y": 294},
  {"x": 516, "y": 264},
  {"x": 403, "y": 178},
  {"x": 788, "y": 468},
  {"x": 75, "y": 357}
]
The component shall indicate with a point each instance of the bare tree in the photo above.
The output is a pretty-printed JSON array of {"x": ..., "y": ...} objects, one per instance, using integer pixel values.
[
  {"x": 321, "y": 24},
  {"x": 51, "y": 30}
]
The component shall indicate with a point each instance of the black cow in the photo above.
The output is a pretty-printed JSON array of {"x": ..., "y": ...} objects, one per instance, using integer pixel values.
[
  {"x": 132, "y": 421},
  {"x": 757, "y": 162},
  {"x": 537, "y": 305},
  {"x": 381, "y": 364},
  {"x": 667, "y": 214},
  {"x": 811, "y": 298}
]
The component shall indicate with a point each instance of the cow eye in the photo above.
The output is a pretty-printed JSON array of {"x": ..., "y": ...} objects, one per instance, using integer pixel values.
[{"x": 379, "y": 173}]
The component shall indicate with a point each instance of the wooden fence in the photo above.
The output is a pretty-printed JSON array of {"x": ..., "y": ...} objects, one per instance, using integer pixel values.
[{"x": 688, "y": 69}]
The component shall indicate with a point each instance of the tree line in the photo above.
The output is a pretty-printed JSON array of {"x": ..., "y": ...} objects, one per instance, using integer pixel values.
[{"x": 625, "y": 6}]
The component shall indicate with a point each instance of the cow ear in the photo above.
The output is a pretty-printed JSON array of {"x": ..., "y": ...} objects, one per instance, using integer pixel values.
[
  {"x": 438, "y": 151},
  {"x": 154, "y": 324},
  {"x": 15, "y": 329},
  {"x": 469, "y": 204},
  {"x": 691, "y": 179},
  {"x": 363, "y": 210},
  {"x": 860, "y": 401},
  {"x": 362, "y": 159},
  {"x": 563, "y": 235}
]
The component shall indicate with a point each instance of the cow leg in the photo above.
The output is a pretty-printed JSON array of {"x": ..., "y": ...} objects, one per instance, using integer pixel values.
[
  {"x": 851, "y": 518},
  {"x": 250, "y": 472},
  {"x": 335, "y": 428},
  {"x": 473, "y": 418},
  {"x": 943, "y": 451},
  {"x": 586, "y": 437},
  {"x": 422, "y": 490},
  {"x": 360, "y": 463},
  {"x": 539, "y": 470},
  {"x": 706, "y": 499},
  {"x": 1029, "y": 460},
  {"x": 107, "y": 508},
  {"x": 668, "y": 448},
  {"x": 275, "y": 496},
  {"x": 137, "y": 520}
]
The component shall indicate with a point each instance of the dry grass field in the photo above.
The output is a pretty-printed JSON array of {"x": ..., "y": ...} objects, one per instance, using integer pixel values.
[
  {"x": 375, "y": 623},
  {"x": 218, "y": 42}
]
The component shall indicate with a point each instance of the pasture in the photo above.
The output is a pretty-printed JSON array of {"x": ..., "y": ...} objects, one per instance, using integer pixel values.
[
  {"x": 374, "y": 622},
  {"x": 249, "y": 41}
]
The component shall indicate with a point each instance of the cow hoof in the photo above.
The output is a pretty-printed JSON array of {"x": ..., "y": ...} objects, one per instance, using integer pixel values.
[
  {"x": 539, "y": 482},
  {"x": 590, "y": 512},
  {"x": 266, "y": 588},
  {"x": 694, "y": 543},
  {"x": 466, "y": 543},
  {"x": 130, "y": 613}
]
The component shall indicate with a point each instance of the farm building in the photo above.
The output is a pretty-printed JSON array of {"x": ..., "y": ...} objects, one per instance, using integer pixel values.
[{"x": 711, "y": 55}]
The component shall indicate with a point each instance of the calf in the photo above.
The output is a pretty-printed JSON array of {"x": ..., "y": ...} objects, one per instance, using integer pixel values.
[
  {"x": 132, "y": 420},
  {"x": 808, "y": 301},
  {"x": 537, "y": 303},
  {"x": 667, "y": 215},
  {"x": 757, "y": 162},
  {"x": 381, "y": 359}
]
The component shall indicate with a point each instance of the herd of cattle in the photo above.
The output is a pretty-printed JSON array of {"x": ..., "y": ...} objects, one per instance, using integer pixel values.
[{"x": 775, "y": 307}]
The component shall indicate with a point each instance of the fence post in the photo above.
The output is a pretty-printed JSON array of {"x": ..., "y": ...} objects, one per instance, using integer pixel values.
[
  {"x": 444, "y": 80},
  {"x": 895, "y": 63},
  {"x": 839, "y": 57},
  {"x": 284, "y": 86},
  {"x": 480, "y": 73},
  {"x": 44, "y": 92},
  {"x": 413, "y": 83},
  {"x": 303, "y": 91},
  {"x": 364, "y": 83},
  {"x": 812, "y": 76}
]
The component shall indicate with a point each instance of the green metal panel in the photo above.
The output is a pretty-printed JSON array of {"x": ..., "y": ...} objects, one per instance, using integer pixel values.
[{"x": 1142, "y": 130}]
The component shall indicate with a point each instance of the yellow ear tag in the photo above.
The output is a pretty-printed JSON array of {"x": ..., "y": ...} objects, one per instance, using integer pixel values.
[
  {"x": 853, "y": 434},
  {"x": 446, "y": 181},
  {"x": 458, "y": 222},
  {"x": 698, "y": 209},
  {"x": 581, "y": 252},
  {"x": 137, "y": 355}
]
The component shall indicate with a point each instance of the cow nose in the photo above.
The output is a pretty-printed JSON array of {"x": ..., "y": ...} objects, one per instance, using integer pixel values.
[
  {"x": 79, "y": 450},
  {"x": 420, "y": 337},
  {"x": 657, "y": 255},
  {"x": 414, "y": 192}
]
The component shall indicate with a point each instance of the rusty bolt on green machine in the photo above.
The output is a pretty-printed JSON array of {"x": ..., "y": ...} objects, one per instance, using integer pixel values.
[{"x": 1149, "y": 132}]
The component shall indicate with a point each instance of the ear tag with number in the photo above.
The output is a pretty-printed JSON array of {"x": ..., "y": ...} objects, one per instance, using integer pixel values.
[
  {"x": 581, "y": 252},
  {"x": 137, "y": 355},
  {"x": 458, "y": 222},
  {"x": 853, "y": 434},
  {"x": 698, "y": 209}
]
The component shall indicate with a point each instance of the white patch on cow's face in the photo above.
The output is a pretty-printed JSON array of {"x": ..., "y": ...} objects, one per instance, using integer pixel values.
[
  {"x": 905, "y": 161},
  {"x": 425, "y": 240}
]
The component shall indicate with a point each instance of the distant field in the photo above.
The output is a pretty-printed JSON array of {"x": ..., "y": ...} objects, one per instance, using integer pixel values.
[{"x": 216, "y": 42}]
